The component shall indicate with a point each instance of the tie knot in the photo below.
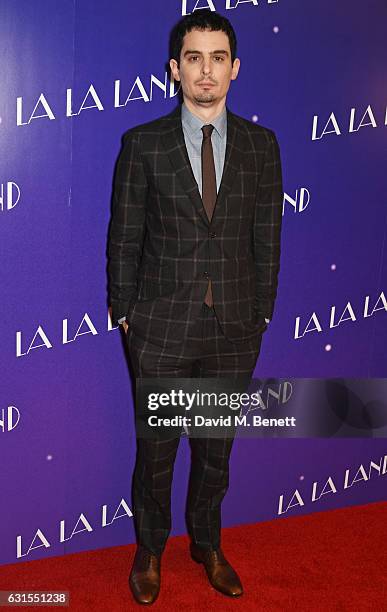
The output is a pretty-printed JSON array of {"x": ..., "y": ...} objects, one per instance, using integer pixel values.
[{"x": 207, "y": 130}]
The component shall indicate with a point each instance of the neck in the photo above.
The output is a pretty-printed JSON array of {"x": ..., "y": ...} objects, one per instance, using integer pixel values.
[{"x": 205, "y": 113}]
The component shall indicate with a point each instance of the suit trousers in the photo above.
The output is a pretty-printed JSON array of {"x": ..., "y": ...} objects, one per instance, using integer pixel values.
[{"x": 205, "y": 353}]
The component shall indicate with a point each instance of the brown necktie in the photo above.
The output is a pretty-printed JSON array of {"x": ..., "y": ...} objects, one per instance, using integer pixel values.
[{"x": 208, "y": 186}]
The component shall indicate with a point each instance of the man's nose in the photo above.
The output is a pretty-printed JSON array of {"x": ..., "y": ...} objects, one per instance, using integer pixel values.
[{"x": 206, "y": 66}]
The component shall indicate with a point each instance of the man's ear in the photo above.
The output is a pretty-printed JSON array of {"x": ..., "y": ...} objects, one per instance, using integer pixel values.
[
  {"x": 235, "y": 68},
  {"x": 174, "y": 69}
]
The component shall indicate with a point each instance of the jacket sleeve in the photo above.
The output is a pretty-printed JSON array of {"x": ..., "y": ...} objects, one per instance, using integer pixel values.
[
  {"x": 126, "y": 233},
  {"x": 267, "y": 229}
]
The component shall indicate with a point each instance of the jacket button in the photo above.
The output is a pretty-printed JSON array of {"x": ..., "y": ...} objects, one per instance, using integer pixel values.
[
  {"x": 206, "y": 274},
  {"x": 213, "y": 235}
]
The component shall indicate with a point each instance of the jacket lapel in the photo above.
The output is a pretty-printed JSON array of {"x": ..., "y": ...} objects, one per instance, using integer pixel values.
[{"x": 174, "y": 144}]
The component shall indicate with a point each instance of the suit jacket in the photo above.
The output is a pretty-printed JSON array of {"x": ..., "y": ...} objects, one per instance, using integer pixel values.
[{"x": 162, "y": 248}]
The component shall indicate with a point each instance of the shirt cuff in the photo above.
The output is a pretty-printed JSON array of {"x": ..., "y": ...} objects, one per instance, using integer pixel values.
[
  {"x": 267, "y": 320},
  {"x": 121, "y": 320}
]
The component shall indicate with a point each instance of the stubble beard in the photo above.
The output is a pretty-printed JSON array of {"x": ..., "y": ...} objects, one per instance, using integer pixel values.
[{"x": 205, "y": 97}]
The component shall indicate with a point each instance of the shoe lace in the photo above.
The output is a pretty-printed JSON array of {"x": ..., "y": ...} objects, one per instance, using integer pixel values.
[
  {"x": 148, "y": 558},
  {"x": 216, "y": 556}
]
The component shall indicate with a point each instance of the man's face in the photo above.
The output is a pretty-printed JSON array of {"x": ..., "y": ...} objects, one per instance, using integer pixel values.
[{"x": 205, "y": 68}]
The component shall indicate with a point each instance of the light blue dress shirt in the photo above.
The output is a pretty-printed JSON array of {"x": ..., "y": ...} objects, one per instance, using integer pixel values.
[{"x": 193, "y": 136}]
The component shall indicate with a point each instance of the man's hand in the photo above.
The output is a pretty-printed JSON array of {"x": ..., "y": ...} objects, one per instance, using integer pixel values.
[{"x": 124, "y": 324}]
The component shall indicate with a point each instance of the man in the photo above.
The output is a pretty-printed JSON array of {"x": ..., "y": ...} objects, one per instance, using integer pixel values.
[{"x": 194, "y": 250}]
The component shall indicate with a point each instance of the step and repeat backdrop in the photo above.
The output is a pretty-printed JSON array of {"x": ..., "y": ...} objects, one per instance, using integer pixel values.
[{"x": 74, "y": 76}]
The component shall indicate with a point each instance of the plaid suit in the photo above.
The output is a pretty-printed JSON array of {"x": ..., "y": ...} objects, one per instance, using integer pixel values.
[
  {"x": 162, "y": 251},
  {"x": 162, "y": 248}
]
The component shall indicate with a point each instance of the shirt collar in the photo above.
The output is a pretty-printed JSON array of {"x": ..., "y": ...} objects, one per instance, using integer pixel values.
[{"x": 195, "y": 124}]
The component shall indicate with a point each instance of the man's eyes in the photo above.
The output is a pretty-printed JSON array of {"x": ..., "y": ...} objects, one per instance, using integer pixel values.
[{"x": 217, "y": 57}]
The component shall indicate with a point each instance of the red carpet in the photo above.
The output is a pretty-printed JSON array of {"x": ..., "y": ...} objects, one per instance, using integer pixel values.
[{"x": 327, "y": 561}]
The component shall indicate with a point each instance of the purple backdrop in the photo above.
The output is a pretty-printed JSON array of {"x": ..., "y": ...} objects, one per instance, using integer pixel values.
[{"x": 312, "y": 73}]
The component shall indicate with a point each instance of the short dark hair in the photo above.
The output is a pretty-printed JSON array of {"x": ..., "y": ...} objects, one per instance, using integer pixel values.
[{"x": 201, "y": 20}]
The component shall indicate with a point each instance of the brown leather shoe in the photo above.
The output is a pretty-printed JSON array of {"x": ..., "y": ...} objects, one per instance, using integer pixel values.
[
  {"x": 144, "y": 579},
  {"x": 220, "y": 573}
]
